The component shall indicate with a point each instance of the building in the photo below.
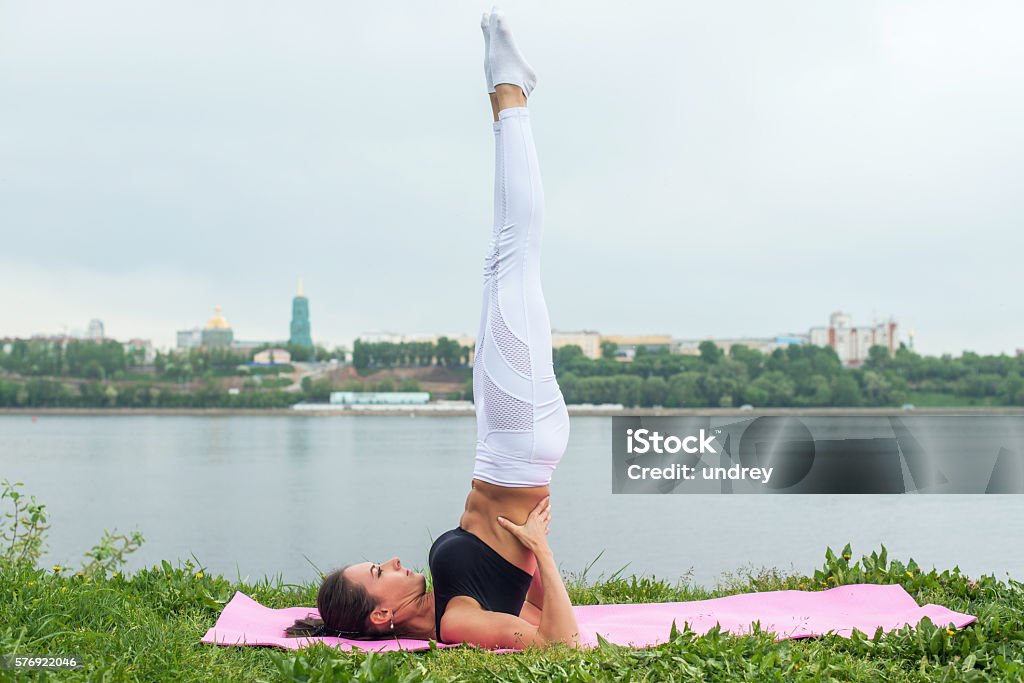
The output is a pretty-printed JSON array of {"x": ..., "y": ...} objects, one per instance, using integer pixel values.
[
  {"x": 852, "y": 344},
  {"x": 95, "y": 331},
  {"x": 300, "y": 334},
  {"x": 628, "y": 344},
  {"x": 390, "y": 397},
  {"x": 253, "y": 345},
  {"x": 52, "y": 341},
  {"x": 380, "y": 337},
  {"x": 272, "y": 357},
  {"x": 140, "y": 350},
  {"x": 190, "y": 339},
  {"x": 588, "y": 340},
  {"x": 218, "y": 333},
  {"x": 691, "y": 347}
]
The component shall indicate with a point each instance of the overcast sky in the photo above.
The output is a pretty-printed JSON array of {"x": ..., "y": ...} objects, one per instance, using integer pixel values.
[{"x": 711, "y": 169}]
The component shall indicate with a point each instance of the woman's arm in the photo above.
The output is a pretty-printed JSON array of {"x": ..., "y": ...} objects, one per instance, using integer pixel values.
[
  {"x": 532, "y": 608},
  {"x": 468, "y": 622},
  {"x": 535, "y": 596},
  {"x": 531, "y": 613},
  {"x": 557, "y": 618},
  {"x": 465, "y": 620}
]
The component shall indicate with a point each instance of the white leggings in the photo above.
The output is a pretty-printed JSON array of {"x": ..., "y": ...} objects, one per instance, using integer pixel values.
[{"x": 522, "y": 425}]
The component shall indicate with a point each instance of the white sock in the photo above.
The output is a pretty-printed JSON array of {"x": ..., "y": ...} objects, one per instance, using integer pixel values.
[
  {"x": 485, "y": 27},
  {"x": 507, "y": 63}
]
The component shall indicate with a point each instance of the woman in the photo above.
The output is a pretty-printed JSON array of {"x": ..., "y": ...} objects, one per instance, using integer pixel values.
[{"x": 495, "y": 580}]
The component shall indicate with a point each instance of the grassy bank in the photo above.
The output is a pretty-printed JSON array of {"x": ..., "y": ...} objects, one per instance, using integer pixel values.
[
  {"x": 935, "y": 399},
  {"x": 146, "y": 626}
]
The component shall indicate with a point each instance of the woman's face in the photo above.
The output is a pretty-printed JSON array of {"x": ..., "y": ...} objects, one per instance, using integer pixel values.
[{"x": 389, "y": 583}]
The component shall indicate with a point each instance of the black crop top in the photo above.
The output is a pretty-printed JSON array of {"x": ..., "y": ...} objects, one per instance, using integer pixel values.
[{"x": 462, "y": 564}]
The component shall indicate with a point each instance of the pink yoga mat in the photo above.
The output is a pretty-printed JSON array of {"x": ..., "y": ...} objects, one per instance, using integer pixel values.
[{"x": 788, "y": 614}]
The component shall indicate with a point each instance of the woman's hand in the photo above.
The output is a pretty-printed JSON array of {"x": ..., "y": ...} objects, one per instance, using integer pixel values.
[{"x": 533, "y": 534}]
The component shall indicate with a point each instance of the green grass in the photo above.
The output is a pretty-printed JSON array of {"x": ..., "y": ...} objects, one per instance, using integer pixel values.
[
  {"x": 276, "y": 382},
  {"x": 937, "y": 399},
  {"x": 146, "y": 626}
]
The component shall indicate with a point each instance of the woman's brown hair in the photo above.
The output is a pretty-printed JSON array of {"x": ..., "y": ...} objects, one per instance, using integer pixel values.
[{"x": 344, "y": 608}]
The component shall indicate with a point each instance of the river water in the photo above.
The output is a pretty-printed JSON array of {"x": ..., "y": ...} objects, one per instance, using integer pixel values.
[{"x": 255, "y": 496}]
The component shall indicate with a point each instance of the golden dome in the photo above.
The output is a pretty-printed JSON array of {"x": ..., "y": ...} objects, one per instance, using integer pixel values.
[{"x": 217, "y": 322}]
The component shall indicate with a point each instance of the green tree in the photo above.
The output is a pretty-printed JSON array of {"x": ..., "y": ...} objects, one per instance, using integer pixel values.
[
  {"x": 360, "y": 355},
  {"x": 628, "y": 390},
  {"x": 683, "y": 391},
  {"x": 878, "y": 358},
  {"x": 1013, "y": 389},
  {"x": 709, "y": 352},
  {"x": 845, "y": 391},
  {"x": 300, "y": 353},
  {"x": 723, "y": 382},
  {"x": 654, "y": 392},
  {"x": 821, "y": 391},
  {"x": 878, "y": 390},
  {"x": 566, "y": 356},
  {"x": 751, "y": 358},
  {"x": 448, "y": 352},
  {"x": 773, "y": 389}
]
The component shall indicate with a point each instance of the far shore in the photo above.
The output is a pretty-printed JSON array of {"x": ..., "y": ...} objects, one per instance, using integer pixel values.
[{"x": 419, "y": 411}]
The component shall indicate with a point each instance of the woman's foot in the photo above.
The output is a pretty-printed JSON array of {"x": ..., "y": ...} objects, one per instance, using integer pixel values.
[{"x": 506, "y": 62}]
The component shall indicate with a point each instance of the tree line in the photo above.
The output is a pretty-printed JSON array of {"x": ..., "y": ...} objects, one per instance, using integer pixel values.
[
  {"x": 73, "y": 358},
  {"x": 793, "y": 376},
  {"x": 109, "y": 360},
  {"x": 381, "y": 355},
  {"x": 799, "y": 375}
]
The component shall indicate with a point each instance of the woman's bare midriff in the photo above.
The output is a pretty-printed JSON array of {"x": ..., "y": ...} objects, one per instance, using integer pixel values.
[{"x": 483, "y": 506}]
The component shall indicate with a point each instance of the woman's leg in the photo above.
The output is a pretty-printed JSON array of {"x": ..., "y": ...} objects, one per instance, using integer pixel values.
[{"x": 522, "y": 422}]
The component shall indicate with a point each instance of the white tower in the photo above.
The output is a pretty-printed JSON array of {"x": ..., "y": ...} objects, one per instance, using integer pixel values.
[
  {"x": 839, "y": 319},
  {"x": 95, "y": 332}
]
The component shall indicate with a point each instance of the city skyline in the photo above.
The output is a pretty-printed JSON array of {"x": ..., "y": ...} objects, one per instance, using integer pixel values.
[
  {"x": 849, "y": 339},
  {"x": 741, "y": 178},
  {"x": 813, "y": 334}
]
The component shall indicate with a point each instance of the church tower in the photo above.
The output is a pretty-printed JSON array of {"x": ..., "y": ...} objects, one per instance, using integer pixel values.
[
  {"x": 218, "y": 333},
  {"x": 300, "y": 321}
]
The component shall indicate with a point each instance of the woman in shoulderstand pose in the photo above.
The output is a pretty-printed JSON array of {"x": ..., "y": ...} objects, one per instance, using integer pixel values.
[{"x": 495, "y": 582}]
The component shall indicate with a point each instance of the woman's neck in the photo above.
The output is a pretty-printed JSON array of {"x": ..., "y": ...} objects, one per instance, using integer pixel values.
[{"x": 420, "y": 623}]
